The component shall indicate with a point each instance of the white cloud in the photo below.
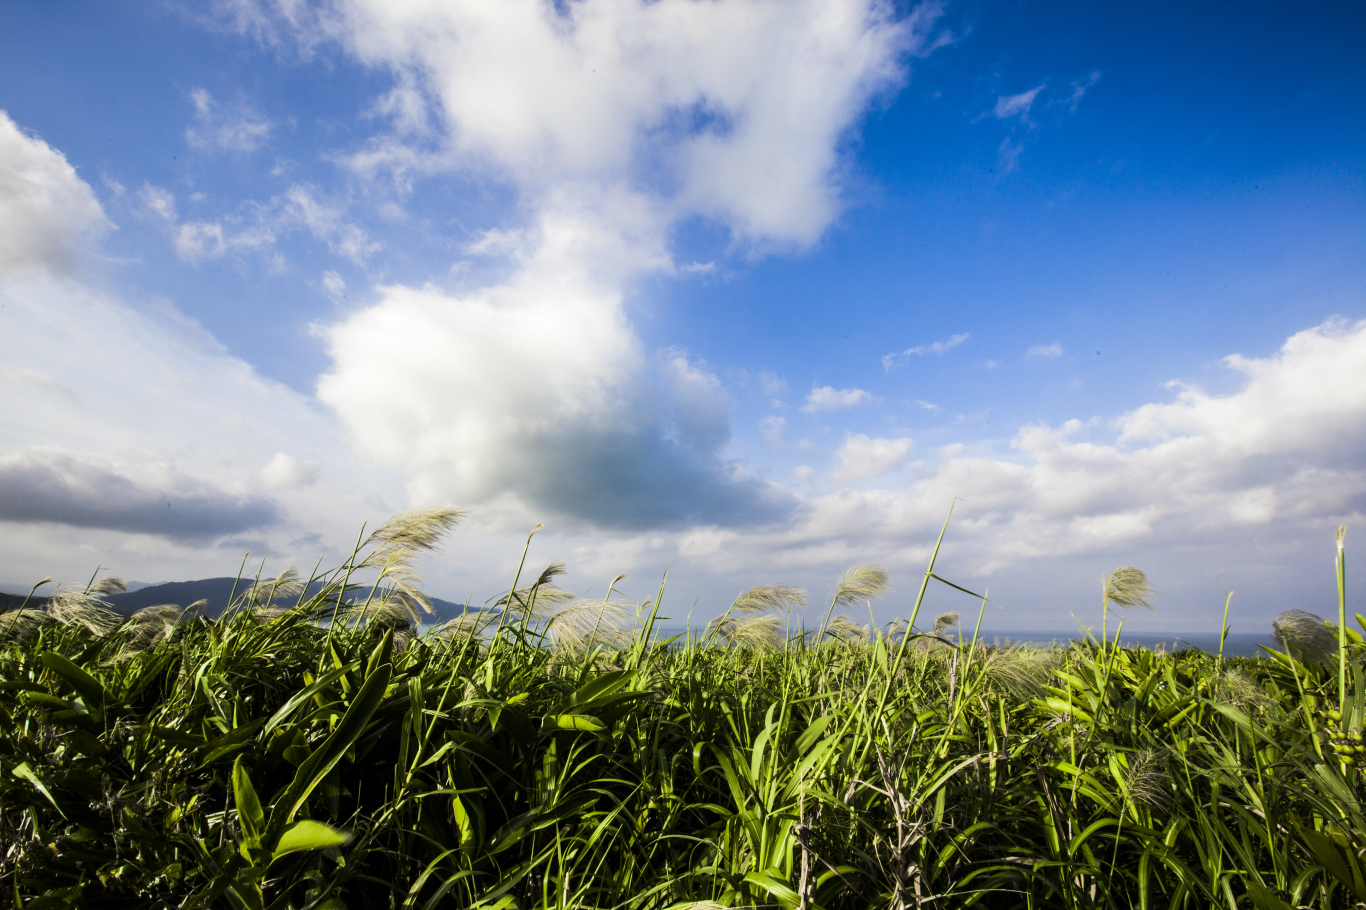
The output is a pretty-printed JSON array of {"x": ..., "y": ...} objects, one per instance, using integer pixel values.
[
  {"x": 604, "y": 93},
  {"x": 1008, "y": 106},
  {"x": 129, "y": 435},
  {"x": 937, "y": 347},
  {"x": 239, "y": 129},
  {"x": 285, "y": 472},
  {"x": 158, "y": 202},
  {"x": 828, "y": 398},
  {"x": 46, "y": 210},
  {"x": 535, "y": 397},
  {"x": 804, "y": 473},
  {"x": 1284, "y": 452},
  {"x": 612, "y": 122},
  {"x": 1046, "y": 350},
  {"x": 862, "y": 458},
  {"x": 334, "y": 284}
]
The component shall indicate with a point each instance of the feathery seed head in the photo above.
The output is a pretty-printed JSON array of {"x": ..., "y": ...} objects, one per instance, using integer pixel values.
[
  {"x": 410, "y": 533},
  {"x": 1235, "y": 688},
  {"x": 943, "y": 622},
  {"x": 1341, "y": 535},
  {"x": 1304, "y": 635},
  {"x": 21, "y": 624},
  {"x": 1147, "y": 781},
  {"x": 106, "y": 587},
  {"x": 72, "y": 606},
  {"x": 763, "y": 598},
  {"x": 860, "y": 583},
  {"x": 585, "y": 623},
  {"x": 286, "y": 584},
  {"x": 846, "y": 628},
  {"x": 1128, "y": 587}
]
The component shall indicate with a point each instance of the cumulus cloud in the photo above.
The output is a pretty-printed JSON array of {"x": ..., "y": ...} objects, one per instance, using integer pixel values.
[
  {"x": 862, "y": 458},
  {"x": 45, "y": 485},
  {"x": 937, "y": 347},
  {"x": 612, "y": 122},
  {"x": 535, "y": 396},
  {"x": 599, "y": 93},
  {"x": 828, "y": 398},
  {"x": 46, "y": 210},
  {"x": 237, "y": 128}
]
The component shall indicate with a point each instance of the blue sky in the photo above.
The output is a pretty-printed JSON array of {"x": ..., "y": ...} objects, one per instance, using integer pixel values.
[{"x": 746, "y": 290}]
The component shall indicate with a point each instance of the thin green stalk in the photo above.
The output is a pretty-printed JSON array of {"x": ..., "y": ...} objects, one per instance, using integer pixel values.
[
  {"x": 1223, "y": 629},
  {"x": 1341, "y": 573}
]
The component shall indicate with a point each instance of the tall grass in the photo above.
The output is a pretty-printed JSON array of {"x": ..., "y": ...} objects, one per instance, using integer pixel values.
[{"x": 540, "y": 755}]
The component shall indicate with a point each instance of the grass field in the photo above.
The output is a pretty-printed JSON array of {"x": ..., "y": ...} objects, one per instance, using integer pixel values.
[{"x": 556, "y": 753}]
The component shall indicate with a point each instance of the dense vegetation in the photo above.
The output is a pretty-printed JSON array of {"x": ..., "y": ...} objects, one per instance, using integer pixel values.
[{"x": 325, "y": 756}]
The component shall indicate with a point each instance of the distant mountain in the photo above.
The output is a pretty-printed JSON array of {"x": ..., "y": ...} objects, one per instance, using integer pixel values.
[{"x": 215, "y": 590}]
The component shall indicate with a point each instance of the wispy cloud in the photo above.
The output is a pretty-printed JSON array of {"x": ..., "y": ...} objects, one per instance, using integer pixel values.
[
  {"x": 237, "y": 129},
  {"x": 1079, "y": 89},
  {"x": 828, "y": 398},
  {"x": 1046, "y": 350},
  {"x": 1008, "y": 106},
  {"x": 937, "y": 347},
  {"x": 258, "y": 227}
]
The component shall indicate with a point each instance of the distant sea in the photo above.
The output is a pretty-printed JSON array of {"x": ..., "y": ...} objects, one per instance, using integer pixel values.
[{"x": 1239, "y": 644}]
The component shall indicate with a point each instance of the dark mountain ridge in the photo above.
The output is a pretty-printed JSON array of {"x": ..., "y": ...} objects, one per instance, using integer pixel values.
[{"x": 216, "y": 591}]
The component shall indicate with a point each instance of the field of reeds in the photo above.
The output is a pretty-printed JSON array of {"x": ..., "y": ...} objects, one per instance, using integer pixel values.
[{"x": 310, "y": 749}]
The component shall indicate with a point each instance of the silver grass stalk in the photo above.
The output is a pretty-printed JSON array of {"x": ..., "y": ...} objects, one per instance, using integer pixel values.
[
  {"x": 1237, "y": 689},
  {"x": 541, "y": 599},
  {"x": 845, "y": 628},
  {"x": 860, "y": 583},
  {"x": 760, "y": 633},
  {"x": 22, "y": 624},
  {"x": 1147, "y": 781},
  {"x": 943, "y": 623},
  {"x": 1303, "y": 635},
  {"x": 763, "y": 598},
  {"x": 465, "y": 624},
  {"x": 386, "y": 613},
  {"x": 756, "y": 601},
  {"x": 72, "y": 606},
  {"x": 106, "y": 587},
  {"x": 286, "y": 584},
  {"x": 411, "y": 533},
  {"x": 584, "y": 623},
  {"x": 150, "y": 625},
  {"x": 1128, "y": 587},
  {"x": 1021, "y": 672}
]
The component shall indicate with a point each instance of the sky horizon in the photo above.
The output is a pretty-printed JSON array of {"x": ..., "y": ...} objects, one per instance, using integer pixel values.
[{"x": 747, "y": 291}]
